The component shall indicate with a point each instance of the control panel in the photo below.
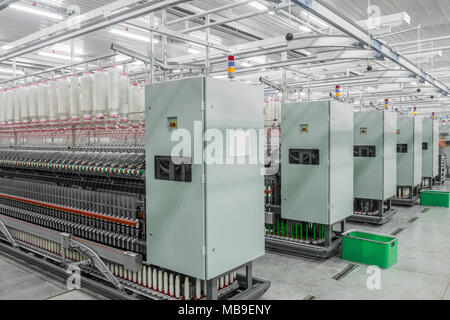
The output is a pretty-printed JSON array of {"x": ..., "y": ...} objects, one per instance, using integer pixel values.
[
  {"x": 364, "y": 151},
  {"x": 173, "y": 168},
  {"x": 402, "y": 148},
  {"x": 304, "y": 156}
]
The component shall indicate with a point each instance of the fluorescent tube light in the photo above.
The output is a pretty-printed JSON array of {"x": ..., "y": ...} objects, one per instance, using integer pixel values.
[
  {"x": 37, "y": 11},
  {"x": 134, "y": 36},
  {"x": 257, "y": 5},
  {"x": 193, "y": 51},
  {"x": 202, "y": 36},
  {"x": 11, "y": 71},
  {"x": 304, "y": 28},
  {"x": 311, "y": 18},
  {"x": 66, "y": 48},
  {"x": 58, "y": 56}
]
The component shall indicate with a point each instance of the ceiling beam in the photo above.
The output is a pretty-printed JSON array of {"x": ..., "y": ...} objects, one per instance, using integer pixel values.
[
  {"x": 324, "y": 12},
  {"x": 131, "y": 13},
  {"x": 50, "y": 70},
  {"x": 5, "y": 3},
  {"x": 320, "y": 57},
  {"x": 206, "y": 12}
]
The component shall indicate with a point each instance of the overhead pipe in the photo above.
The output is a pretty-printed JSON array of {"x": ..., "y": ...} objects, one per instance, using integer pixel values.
[
  {"x": 326, "y": 13},
  {"x": 208, "y": 12},
  {"x": 228, "y": 20},
  {"x": 114, "y": 19},
  {"x": 36, "y": 74}
]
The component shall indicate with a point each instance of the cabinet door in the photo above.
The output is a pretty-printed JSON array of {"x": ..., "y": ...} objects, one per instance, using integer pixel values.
[
  {"x": 305, "y": 161},
  {"x": 175, "y": 212},
  {"x": 234, "y": 192}
]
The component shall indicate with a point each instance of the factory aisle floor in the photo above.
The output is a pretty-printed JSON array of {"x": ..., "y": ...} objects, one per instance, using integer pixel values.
[
  {"x": 26, "y": 282},
  {"x": 422, "y": 271}
]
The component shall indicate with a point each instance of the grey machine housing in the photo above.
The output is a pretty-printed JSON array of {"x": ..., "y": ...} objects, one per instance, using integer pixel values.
[
  {"x": 409, "y": 159},
  {"x": 375, "y": 162},
  {"x": 203, "y": 220},
  {"x": 430, "y": 152},
  {"x": 323, "y": 192},
  {"x": 316, "y": 172}
]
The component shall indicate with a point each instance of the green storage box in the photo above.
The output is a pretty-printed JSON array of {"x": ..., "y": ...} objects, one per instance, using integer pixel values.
[
  {"x": 435, "y": 198},
  {"x": 369, "y": 248}
]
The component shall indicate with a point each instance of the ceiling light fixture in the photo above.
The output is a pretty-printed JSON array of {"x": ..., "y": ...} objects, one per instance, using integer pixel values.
[
  {"x": 66, "y": 48},
  {"x": 315, "y": 20},
  {"x": 193, "y": 50},
  {"x": 7, "y": 46},
  {"x": 58, "y": 56},
  {"x": 257, "y": 5},
  {"x": 304, "y": 28},
  {"x": 37, "y": 11},
  {"x": 11, "y": 71},
  {"x": 202, "y": 36},
  {"x": 134, "y": 36},
  {"x": 57, "y": 3},
  {"x": 121, "y": 58}
]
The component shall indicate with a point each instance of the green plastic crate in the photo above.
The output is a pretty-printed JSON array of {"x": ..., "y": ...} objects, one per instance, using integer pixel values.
[
  {"x": 369, "y": 248},
  {"x": 435, "y": 198}
]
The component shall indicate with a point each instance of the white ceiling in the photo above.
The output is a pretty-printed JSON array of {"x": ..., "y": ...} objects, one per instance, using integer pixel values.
[{"x": 432, "y": 15}]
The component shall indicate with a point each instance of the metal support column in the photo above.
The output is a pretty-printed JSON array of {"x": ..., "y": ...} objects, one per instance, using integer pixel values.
[
  {"x": 249, "y": 275},
  {"x": 6, "y": 233},
  {"x": 151, "y": 49},
  {"x": 329, "y": 15},
  {"x": 308, "y": 78},
  {"x": 207, "y": 53},
  {"x": 211, "y": 289},
  {"x": 283, "y": 79},
  {"x": 164, "y": 43},
  {"x": 343, "y": 226},
  {"x": 380, "y": 208},
  {"x": 328, "y": 235},
  {"x": 69, "y": 243}
]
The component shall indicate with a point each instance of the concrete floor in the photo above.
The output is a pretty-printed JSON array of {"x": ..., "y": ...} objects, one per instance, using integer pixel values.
[
  {"x": 422, "y": 271},
  {"x": 26, "y": 282}
]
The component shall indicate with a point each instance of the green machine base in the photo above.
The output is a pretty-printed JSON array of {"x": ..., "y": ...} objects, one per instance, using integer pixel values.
[
  {"x": 380, "y": 218},
  {"x": 410, "y": 201},
  {"x": 405, "y": 202},
  {"x": 297, "y": 247}
]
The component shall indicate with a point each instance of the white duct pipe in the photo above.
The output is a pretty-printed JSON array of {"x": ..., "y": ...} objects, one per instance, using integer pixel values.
[
  {"x": 74, "y": 99},
  {"x": 186, "y": 288},
  {"x": 134, "y": 101},
  {"x": 141, "y": 110},
  {"x": 124, "y": 106},
  {"x": 17, "y": 109},
  {"x": 3, "y": 103},
  {"x": 33, "y": 101},
  {"x": 198, "y": 288},
  {"x": 106, "y": 96},
  {"x": 171, "y": 285},
  {"x": 52, "y": 101},
  {"x": 87, "y": 95},
  {"x": 24, "y": 104},
  {"x": 63, "y": 99},
  {"x": 114, "y": 92},
  {"x": 99, "y": 95},
  {"x": 43, "y": 102},
  {"x": 10, "y": 107},
  {"x": 177, "y": 286}
]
